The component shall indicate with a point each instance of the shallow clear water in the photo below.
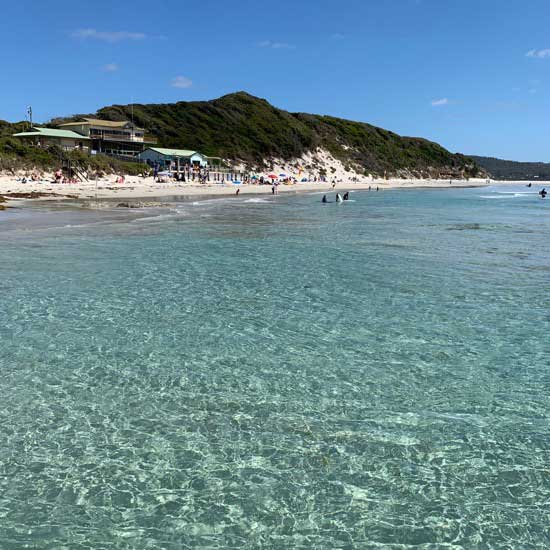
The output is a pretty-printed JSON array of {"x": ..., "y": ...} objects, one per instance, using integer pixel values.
[{"x": 278, "y": 373}]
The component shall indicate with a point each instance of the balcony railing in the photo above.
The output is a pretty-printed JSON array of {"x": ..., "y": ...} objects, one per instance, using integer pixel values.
[{"x": 117, "y": 137}]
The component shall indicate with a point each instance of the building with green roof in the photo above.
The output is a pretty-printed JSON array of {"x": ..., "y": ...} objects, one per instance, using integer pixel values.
[
  {"x": 116, "y": 138},
  {"x": 45, "y": 137},
  {"x": 169, "y": 158},
  {"x": 120, "y": 138}
]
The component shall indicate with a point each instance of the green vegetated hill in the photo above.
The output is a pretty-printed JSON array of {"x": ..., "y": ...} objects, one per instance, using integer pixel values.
[
  {"x": 246, "y": 128},
  {"x": 512, "y": 170}
]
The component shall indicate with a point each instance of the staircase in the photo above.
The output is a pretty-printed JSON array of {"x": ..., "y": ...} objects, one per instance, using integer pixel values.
[{"x": 71, "y": 169}]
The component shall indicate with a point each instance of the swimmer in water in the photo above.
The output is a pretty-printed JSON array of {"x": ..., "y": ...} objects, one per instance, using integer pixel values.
[
  {"x": 338, "y": 197},
  {"x": 324, "y": 199},
  {"x": 346, "y": 196},
  {"x": 529, "y": 185},
  {"x": 543, "y": 193}
]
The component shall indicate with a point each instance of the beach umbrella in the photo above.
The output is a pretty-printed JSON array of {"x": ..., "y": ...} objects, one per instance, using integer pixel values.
[
  {"x": 165, "y": 173},
  {"x": 282, "y": 175},
  {"x": 254, "y": 178},
  {"x": 272, "y": 176}
]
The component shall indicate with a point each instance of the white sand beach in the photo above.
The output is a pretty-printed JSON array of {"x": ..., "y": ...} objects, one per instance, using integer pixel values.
[{"x": 147, "y": 188}]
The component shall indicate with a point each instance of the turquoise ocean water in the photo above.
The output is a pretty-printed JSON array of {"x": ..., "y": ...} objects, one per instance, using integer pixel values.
[{"x": 277, "y": 373}]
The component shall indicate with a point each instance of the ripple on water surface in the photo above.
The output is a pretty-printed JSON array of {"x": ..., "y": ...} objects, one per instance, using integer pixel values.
[{"x": 286, "y": 375}]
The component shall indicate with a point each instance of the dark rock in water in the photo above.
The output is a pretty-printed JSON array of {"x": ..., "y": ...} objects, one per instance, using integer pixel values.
[
  {"x": 465, "y": 227},
  {"x": 33, "y": 195},
  {"x": 148, "y": 204},
  {"x": 29, "y": 195},
  {"x": 101, "y": 204}
]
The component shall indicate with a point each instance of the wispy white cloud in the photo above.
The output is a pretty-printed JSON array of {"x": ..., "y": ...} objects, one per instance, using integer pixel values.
[
  {"x": 276, "y": 45},
  {"x": 110, "y": 67},
  {"x": 539, "y": 54},
  {"x": 107, "y": 36},
  {"x": 182, "y": 82},
  {"x": 440, "y": 102}
]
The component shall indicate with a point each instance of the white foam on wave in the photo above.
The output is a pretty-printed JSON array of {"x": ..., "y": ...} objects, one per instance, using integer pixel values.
[
  {"x": 510, "y": 195},
  {"x": 207, "y": 202},
  {"x": 77, "y": 225},
  {"x": 165, "y": 216},
  {"x": 518, "y": 193},
  {"x": 496, "y": 196},
  {"x": 153, "y": 218},
  {"x": 258, "y": 201}
]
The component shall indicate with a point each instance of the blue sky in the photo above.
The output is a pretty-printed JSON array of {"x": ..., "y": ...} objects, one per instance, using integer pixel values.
[{"x": 469, "y": 74}]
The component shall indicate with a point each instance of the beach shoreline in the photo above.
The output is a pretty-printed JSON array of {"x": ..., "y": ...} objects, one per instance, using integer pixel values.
[
  {"x": 138, "y": 192},
  {"x": 145, "y": 189}
]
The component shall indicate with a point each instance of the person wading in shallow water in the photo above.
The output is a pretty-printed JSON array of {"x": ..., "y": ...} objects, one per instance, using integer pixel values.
[{"x": 238, "y": 191}]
